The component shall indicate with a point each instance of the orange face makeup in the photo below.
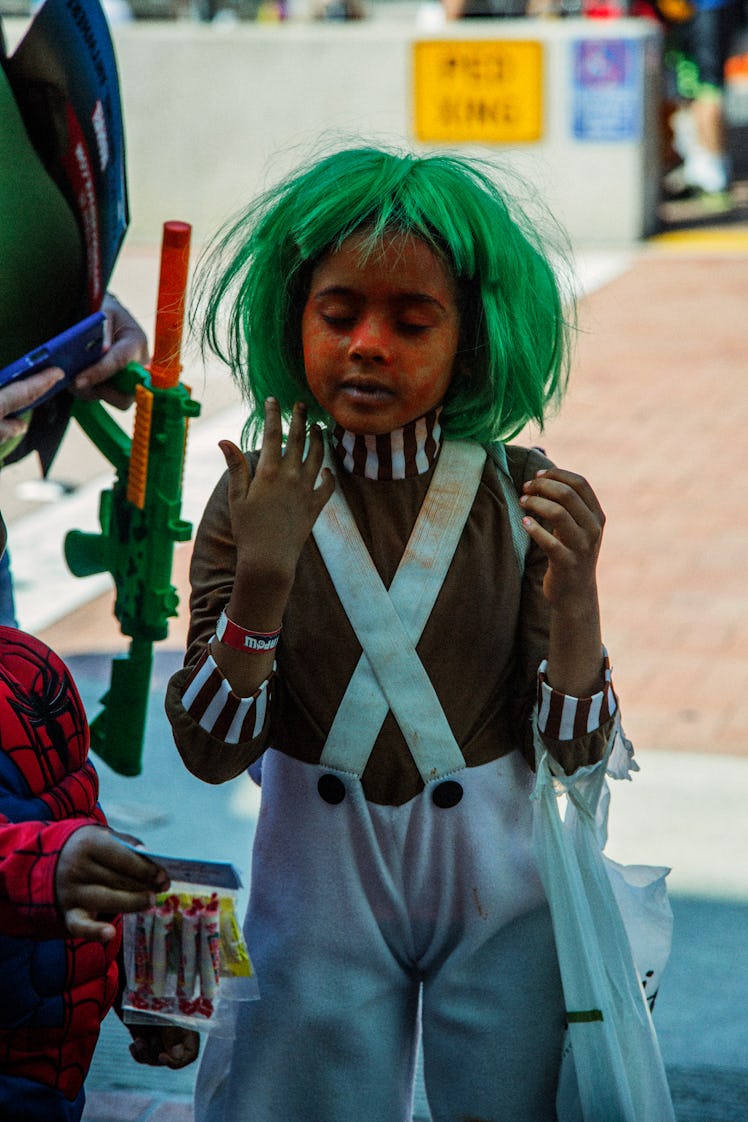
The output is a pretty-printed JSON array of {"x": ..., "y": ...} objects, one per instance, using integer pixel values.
[{"x": 380, "y": 333}]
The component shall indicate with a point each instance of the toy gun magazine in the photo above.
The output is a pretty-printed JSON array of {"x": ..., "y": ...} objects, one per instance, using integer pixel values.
[{"x": 140, "y": 516}]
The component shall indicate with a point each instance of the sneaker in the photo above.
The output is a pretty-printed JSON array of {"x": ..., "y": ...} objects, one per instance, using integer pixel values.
[
  {"x": 716, "y": 202},
  {"x": 707, "y": 171}
]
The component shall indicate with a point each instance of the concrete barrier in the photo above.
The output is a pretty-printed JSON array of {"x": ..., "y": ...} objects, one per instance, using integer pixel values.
[{"x": 213, "y": 112}]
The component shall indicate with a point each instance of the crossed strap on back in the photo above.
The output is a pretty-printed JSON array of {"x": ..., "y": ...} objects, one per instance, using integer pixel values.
[{"x": 389, "y": 624}]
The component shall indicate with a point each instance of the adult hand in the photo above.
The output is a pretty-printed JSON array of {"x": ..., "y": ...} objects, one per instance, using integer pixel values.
[
  {"x": 21, "y": 395},
  {"x": 97, "y": 875},
  {"x": 128, "y": 344}
]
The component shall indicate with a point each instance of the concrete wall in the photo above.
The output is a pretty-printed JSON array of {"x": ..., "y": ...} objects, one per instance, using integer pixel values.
[{"x": 212, "y": 112}]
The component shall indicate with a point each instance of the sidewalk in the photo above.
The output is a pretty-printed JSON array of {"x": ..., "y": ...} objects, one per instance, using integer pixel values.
[{"x": 657, "y": 418}]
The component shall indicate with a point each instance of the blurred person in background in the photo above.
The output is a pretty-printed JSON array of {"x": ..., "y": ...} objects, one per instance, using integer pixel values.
[{"x": 696, "y": 52}]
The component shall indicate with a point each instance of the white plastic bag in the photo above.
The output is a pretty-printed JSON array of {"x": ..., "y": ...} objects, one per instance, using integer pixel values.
[{"x": 601, "y": 911}]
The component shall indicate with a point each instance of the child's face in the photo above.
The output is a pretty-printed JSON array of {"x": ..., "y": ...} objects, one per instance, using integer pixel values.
[{"x": 380, "y": 333}]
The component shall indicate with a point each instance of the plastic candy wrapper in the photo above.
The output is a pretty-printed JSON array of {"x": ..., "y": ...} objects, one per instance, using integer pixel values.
[{"x": 186, "y": 961}]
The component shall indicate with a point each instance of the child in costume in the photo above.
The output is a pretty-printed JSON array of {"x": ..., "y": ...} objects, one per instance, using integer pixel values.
[
  {"x": 64, "y": 878},
  {"x": 379, "y": 605}
]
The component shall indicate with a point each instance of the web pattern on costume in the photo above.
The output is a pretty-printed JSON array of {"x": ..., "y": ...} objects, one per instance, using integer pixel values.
[
  {"x": 44, "y": 729},
  {"x": 55, "y": 991}
]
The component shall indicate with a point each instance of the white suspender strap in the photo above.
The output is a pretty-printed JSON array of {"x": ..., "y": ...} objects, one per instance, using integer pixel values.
[
  {"x": 520, "y": 538},
  {"x": 388, "y": 625}
]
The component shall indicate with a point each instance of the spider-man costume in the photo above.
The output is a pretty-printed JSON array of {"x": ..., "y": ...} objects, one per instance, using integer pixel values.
[{"x": 54, "y": 991}]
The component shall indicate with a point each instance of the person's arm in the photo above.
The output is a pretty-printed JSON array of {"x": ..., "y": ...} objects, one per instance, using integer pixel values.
[
  {"x": 244, "y": 561},
  {"x": 57, "y": 877},
  {"x": 28, "y": 858},
  {"x": 272, "y": 515},
  {"x": 574, "y": 696},
  {"x": 128, "y": 344}
]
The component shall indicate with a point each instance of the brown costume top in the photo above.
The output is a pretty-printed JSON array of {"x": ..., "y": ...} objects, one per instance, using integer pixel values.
[{"x": 481, "y": 647}]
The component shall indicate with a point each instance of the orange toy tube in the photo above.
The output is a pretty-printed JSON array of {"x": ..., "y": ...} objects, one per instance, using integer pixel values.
[{"x": 166, "y": 364}]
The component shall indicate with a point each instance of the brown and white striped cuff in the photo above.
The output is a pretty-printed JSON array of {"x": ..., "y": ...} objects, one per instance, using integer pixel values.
[
  {"x": 563, "y": 717},
  {"x": 210, "y": 702}
]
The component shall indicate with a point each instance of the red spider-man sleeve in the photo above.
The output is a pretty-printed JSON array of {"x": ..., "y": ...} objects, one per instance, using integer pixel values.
[
  {"x": 54, "y": 991},
  {"x": 29, "y": 852},
  {"x": 48, "y": 786}
]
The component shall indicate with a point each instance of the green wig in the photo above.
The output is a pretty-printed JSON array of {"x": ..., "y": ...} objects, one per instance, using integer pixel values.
[{"x": 513, "y": 355}]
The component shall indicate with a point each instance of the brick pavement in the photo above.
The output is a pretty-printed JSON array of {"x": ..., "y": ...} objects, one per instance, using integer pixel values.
[{"x": 657, "y": 417}]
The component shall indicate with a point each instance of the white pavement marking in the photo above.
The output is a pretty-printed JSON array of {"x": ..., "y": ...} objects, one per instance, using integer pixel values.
[
  {"x": 685, "y": 810},
  {"x": 594, "y": 270}
]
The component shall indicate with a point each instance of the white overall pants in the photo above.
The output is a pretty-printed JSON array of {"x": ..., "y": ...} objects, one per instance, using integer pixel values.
[{"x": 358, "y": 910}]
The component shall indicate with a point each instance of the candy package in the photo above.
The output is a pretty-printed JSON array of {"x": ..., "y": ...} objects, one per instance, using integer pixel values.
[{"x": 186, "y": 961}]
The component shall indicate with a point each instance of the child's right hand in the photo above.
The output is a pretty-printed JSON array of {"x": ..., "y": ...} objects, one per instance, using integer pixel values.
[
  {"x": 97, "y": 875},
  {"x": 272, "y": 514}
]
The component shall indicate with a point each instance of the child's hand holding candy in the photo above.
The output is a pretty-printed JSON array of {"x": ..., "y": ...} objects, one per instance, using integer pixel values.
[
  {"x": 164, "y": 1045},
  {"x": 97, "y": 875}
]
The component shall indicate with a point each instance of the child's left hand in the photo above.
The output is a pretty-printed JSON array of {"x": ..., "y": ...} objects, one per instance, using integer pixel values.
[
  {"x": 570, "y": 536},
  {"x": 164, "y": 1045}
]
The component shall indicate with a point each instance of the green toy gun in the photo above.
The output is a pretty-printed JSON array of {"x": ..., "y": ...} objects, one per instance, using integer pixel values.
[{"x": 140, "y": 516}]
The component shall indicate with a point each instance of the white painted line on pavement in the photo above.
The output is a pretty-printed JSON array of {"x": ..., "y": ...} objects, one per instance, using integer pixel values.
[{"x": 685, "y": 810}]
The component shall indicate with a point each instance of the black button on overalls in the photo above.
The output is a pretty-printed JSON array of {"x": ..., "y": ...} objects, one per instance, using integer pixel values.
[
  {"x": 447, "y": 794},
  {"x": 331, "y": 789}
]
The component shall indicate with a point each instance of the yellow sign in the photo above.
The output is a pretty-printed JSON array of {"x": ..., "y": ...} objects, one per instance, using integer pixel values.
[{"x": 478, "y": 90}]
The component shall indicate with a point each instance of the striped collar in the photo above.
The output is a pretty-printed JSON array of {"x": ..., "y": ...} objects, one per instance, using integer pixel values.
[{"x": 409, "y": 451}]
